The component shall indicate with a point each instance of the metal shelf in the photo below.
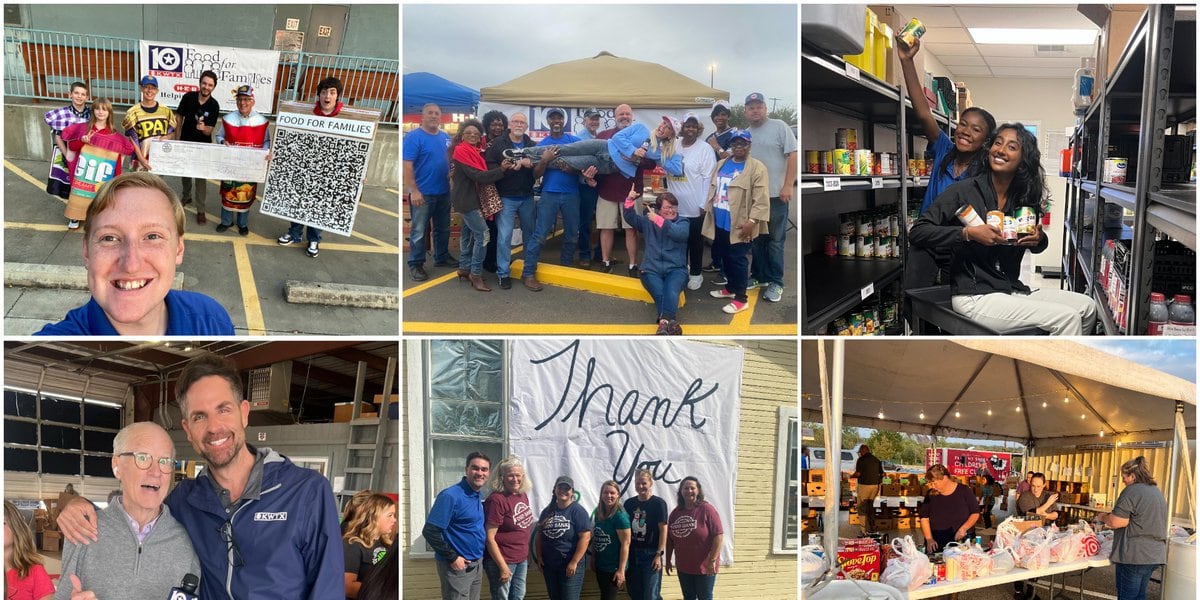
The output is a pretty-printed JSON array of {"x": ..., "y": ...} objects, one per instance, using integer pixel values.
[
  {"x": 837, "y": 284},
  {"x": 1121, "y": 195},
  {"x": 815, "y": 183},
  {"x": 1106, "y": 317}
]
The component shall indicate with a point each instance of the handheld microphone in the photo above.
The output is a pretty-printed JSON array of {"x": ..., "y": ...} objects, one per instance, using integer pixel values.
[{"x": 186, "y": 589}]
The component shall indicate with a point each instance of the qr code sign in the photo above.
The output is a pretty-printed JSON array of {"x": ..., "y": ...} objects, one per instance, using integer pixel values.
[{"x": 315, "y": 179}]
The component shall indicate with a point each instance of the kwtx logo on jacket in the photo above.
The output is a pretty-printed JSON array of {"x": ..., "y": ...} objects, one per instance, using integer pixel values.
[{"x": 270, "y": 516}]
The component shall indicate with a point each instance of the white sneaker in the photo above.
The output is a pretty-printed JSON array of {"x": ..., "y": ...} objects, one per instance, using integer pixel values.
[
  {"x": 735, "y": 307},
  {"x": 695, "y": 281},
  {"x": 72, "y": 224}
]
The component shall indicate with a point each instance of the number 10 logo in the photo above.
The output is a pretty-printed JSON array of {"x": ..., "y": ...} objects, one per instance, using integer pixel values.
[{"x": 166, "y": 58}]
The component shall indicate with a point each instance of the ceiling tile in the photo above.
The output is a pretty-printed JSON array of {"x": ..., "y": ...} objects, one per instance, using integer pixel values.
[
  {"x": 1016, "y": 16},
  {"x": 931, "y": 16},
  {"x": 1056, "y": 73},
  {"x": 1030, "y": 51},
  {"x": 955, "y": 49},
  {"x": 964, "y": 70},
  {"x": 946, "y": 35},
  {"x": 961, "y": 61},
  {"x": 1013, "y": 61}
]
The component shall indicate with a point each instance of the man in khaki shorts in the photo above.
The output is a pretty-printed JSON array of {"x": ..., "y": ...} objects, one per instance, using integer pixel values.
[
  {"x": 869, "y": 473},
  {"x": 612, "y": 190}
]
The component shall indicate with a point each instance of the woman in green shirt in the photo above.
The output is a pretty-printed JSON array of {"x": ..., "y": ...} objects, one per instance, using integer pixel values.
[{"x": 610, "y": 541}]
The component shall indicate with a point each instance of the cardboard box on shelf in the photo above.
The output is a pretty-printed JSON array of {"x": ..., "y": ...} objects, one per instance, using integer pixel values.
[
  {"x": 889, "y": 489},
  {"x": 855, "y": 519},
  {"x": 814, "y": 489},
  {"x": 816, "y": 476},
  {"x": 888, "y": 15},
  {"x": 51, "y": 541},
  {"x": 904, "y": 523},
  {"x": 1121, "y": 23},
  {"x": 342, "y": 412},
  {"x": 885, "y": 524}
]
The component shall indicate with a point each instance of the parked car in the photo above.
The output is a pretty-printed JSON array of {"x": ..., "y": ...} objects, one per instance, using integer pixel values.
[{"x": 817, "y": 461}]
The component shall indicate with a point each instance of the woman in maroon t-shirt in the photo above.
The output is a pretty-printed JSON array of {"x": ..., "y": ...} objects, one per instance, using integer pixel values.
[
  {"x": 507, "y": 518},
  {"x": 694, "y": 537}
]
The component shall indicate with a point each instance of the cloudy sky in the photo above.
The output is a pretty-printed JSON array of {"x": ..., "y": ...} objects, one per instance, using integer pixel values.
[
  {"x": 754, "y": 46},
  {"x": 1176, "y": 356}
]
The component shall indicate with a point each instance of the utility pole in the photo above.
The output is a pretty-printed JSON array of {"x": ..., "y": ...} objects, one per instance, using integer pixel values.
[{"x": 773, "y": 100}]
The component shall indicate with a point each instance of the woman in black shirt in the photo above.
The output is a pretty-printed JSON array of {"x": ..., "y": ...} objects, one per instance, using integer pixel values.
[
  {"x": 369, "y": 528},
  {"x": 949, "y": 511}
]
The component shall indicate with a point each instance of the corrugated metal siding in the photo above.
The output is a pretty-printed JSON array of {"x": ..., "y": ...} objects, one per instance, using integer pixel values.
[
  {"x": 769, "y": 380},
  {"x": 59, "y": 381}
]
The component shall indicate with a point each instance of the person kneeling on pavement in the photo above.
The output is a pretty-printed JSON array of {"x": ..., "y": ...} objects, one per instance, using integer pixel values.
[{"x": 664, "y": 262}]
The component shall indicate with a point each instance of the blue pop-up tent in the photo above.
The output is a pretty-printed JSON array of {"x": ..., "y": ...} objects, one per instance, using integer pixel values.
[{"x": 422, "y": 88}]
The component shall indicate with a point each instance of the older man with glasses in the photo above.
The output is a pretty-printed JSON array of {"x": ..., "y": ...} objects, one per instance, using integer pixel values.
[
  {"x": 141, "y": 550},
  {"x": 263, "y": 527}
]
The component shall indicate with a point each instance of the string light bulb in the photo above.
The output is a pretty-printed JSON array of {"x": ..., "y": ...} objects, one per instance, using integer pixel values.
[
  {"x": 989, "y": 411},
  {"x": 1018, "y": 408},
  {"x": 1101, "y": 433},
  {"x": 1082, "y": 416},
  {"x": 957, "y": 414},
  {"x": 922, "y": 415},
  {"x": 1065, "y": 400},
  {"x": 880, "y": 415},
  {"x": 1043, "y": 404}
]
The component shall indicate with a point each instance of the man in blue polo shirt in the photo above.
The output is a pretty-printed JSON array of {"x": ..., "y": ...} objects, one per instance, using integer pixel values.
[
  {"x": 427, "y": 181},
  {"x": 455, "y": 531},
  {"x": 560, "y": 192}
]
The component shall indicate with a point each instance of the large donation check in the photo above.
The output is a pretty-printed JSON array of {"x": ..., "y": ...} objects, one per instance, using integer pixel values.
[{"x": 208, "y": 161}]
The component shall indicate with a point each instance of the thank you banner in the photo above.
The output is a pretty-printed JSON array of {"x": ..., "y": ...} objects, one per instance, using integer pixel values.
[{"x": 601, "y": 409}]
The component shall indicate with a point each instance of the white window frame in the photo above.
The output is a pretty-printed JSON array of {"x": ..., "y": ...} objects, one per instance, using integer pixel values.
[
  {"x": 420, "y": 494},
  {"x": 786, "y": 417}
]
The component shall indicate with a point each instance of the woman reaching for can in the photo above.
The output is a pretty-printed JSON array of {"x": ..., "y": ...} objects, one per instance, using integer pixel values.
[
  {"x": 984, "y": 284},
  {"x": 954, "y": 159}
]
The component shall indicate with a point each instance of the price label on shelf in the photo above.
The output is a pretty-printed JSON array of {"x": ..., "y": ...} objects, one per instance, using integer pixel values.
[
  {"x": 876, "y": 183},
  {"x": 867, "y": 291},
  {"x": 832, "y": 184},
  {"x": 852, "y": 72}
]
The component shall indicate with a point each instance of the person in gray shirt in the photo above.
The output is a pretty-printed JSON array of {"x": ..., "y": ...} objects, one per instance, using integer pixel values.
[
  {"x": 775, "y": 146},
  {"x": 1139, "y": 519}
]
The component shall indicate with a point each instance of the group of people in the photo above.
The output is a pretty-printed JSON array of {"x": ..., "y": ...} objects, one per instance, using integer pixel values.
[
  {"x": 252, "y": 524},
  {"x": 89, "y": 149},
  {"x": 731, "y": 188},
  {"x": 986, "y": 168},
  {"x": 629, "y": 544}
]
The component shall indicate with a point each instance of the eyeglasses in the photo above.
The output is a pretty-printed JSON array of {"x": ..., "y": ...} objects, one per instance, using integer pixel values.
[
  {"x": 143, "y": 460},
  {"x": 234, "y": 555}
]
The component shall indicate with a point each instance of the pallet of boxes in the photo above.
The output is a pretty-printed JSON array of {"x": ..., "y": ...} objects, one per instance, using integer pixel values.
[{"x": 812, "y": 484}]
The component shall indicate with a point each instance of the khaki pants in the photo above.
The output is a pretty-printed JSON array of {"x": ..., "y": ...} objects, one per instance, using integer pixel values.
[{"x": 866, "y": 504}]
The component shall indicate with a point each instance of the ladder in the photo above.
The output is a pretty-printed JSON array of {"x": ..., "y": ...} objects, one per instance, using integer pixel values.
[{"x": 363, "y": 468}]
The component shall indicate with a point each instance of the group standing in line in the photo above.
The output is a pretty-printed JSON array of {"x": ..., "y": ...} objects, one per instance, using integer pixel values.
[{"x": 626, "y": 544}]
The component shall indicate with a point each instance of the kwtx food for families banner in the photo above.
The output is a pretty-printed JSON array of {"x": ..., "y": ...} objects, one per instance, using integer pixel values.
[
  {"x": 600, "y": 409},
  {"x": 178, "y": 66},
  {"x": 970, "y": 463}
]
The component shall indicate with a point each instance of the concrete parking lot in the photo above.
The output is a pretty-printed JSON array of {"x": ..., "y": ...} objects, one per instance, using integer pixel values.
[{"x": 247, "y": 275}]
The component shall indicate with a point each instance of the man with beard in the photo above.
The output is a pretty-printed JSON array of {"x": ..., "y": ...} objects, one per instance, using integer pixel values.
[
  {"x": 261, "y": 526},
  {"x": 200, "y": 112},
  {"x": 456, "y": 533}
]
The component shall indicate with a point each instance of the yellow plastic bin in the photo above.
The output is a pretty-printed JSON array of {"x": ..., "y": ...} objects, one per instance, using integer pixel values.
[
  {"x": 866, "y": 60},
  {"x": 883, "y": 43}
]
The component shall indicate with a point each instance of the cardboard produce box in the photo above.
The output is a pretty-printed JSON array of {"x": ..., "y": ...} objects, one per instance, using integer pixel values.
[
  {"x": 885, "y": 524},
  {"x": 889, "y": 489},
  {"x": 1121, "y": 23},
  {"x": 904, "y": 523},
  {"x": 1024, "y": 526},
  {"x": 814, "y": 489},
  {"x": 51, "y": 541}
]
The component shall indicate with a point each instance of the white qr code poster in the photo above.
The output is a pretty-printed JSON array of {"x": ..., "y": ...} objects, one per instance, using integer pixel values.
[{"x": 319, "y": 166}]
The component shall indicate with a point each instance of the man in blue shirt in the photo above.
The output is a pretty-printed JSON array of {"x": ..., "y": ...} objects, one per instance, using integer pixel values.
[
  {"x": 427, "y": 181},
  {"x": 455, "y": 531},
  {"x": 560, "y": 192}
]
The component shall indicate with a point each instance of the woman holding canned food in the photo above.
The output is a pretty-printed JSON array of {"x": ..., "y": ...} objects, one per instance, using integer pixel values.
[
  {"x": 955, "y": 158},
  {"x": 984, "y": 273}
]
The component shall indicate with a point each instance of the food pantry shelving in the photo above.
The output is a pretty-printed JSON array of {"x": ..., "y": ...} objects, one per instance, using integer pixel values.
[
  {"x": 1151, "y": 89},
  {"x": 833, "y": 285}
]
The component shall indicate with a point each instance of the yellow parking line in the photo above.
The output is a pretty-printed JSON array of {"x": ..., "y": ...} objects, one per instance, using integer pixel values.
[
  {"x": 379, "y": 210},
  {"x": 427, "y": 327},
  {"x": 252, "y": 240},
  {"x": 53, "y": 228},
  {"x": 19, "y": 172},
  {"x": 255, "y": 325},
  {"x": 409, "y": 291},
  {"x": 379, "y": 243}
]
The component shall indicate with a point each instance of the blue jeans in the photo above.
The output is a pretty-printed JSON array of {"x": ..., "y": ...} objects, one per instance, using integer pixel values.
[
  {"x": 581, "y": 155},
  {"x": 696, "y": 587},
  {"x": 643, "y": 582},
  {"x": 587, "y": 212},
  {"x": 561, "y": 587},
  {"x": 437, "y": 208},
  {"x": 314, "y": 234},
  {"x": 665, "y": 288},
  {"x": 471, "y": 245},
  {"x": 514, "y": 588},
  {"x": 1132, "y": 580},
  {"x": 768, "y": 249},
  {"x": 243, "y": 218},
  {"x": 514, "y": 206},
  {"x": 734, "y": 267},
  {"x": 548, "y": 208}
]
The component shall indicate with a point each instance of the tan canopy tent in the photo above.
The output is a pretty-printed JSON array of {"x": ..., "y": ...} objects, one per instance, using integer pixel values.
[
  {"x": 604, "y": 80},
  {"x": 1039, "y": 392}
]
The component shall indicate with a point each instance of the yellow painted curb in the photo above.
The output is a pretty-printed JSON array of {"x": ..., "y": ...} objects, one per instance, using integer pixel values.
[{"x": 607, "y": 284}]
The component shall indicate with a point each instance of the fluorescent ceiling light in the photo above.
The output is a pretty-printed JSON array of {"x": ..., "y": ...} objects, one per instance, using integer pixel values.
[{"x": 1066, "y": 37}]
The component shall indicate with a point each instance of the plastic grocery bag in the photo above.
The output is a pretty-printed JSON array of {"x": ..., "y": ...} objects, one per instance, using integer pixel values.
[
  {"x": 1007, "y": 534},
  {"x": 1065, "y": 547},
  {"x": 1033, "y": 548},
  {"x": 1106, "y": 542},
  {"x": 1003, "y": 560},
  {"x": 909, "y": 569},
  {"x": 974, "y": 563},
  {"x": 811, "y": 563}
]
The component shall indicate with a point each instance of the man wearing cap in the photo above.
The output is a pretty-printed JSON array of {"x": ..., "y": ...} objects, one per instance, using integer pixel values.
[
  {"x": 736, "y": 213},
  {"x": 199, "y": 112},
  {"x": 691, "y": 190},
  {"x": 149, "y": 120},
  {"x": 455, "y": 531},
  {"x": 427, "y": 181},
  {"x": 775, "y": 146},
  {"x": 242, "y": 128},
  {"x": 587, "y": 194},
  {"x": 560, "y": 193}
]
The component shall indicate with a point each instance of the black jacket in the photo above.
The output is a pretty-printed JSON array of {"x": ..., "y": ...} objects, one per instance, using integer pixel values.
[
  {"x": 976, "y": 269},
  {"x": 514, "y": 183}
]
